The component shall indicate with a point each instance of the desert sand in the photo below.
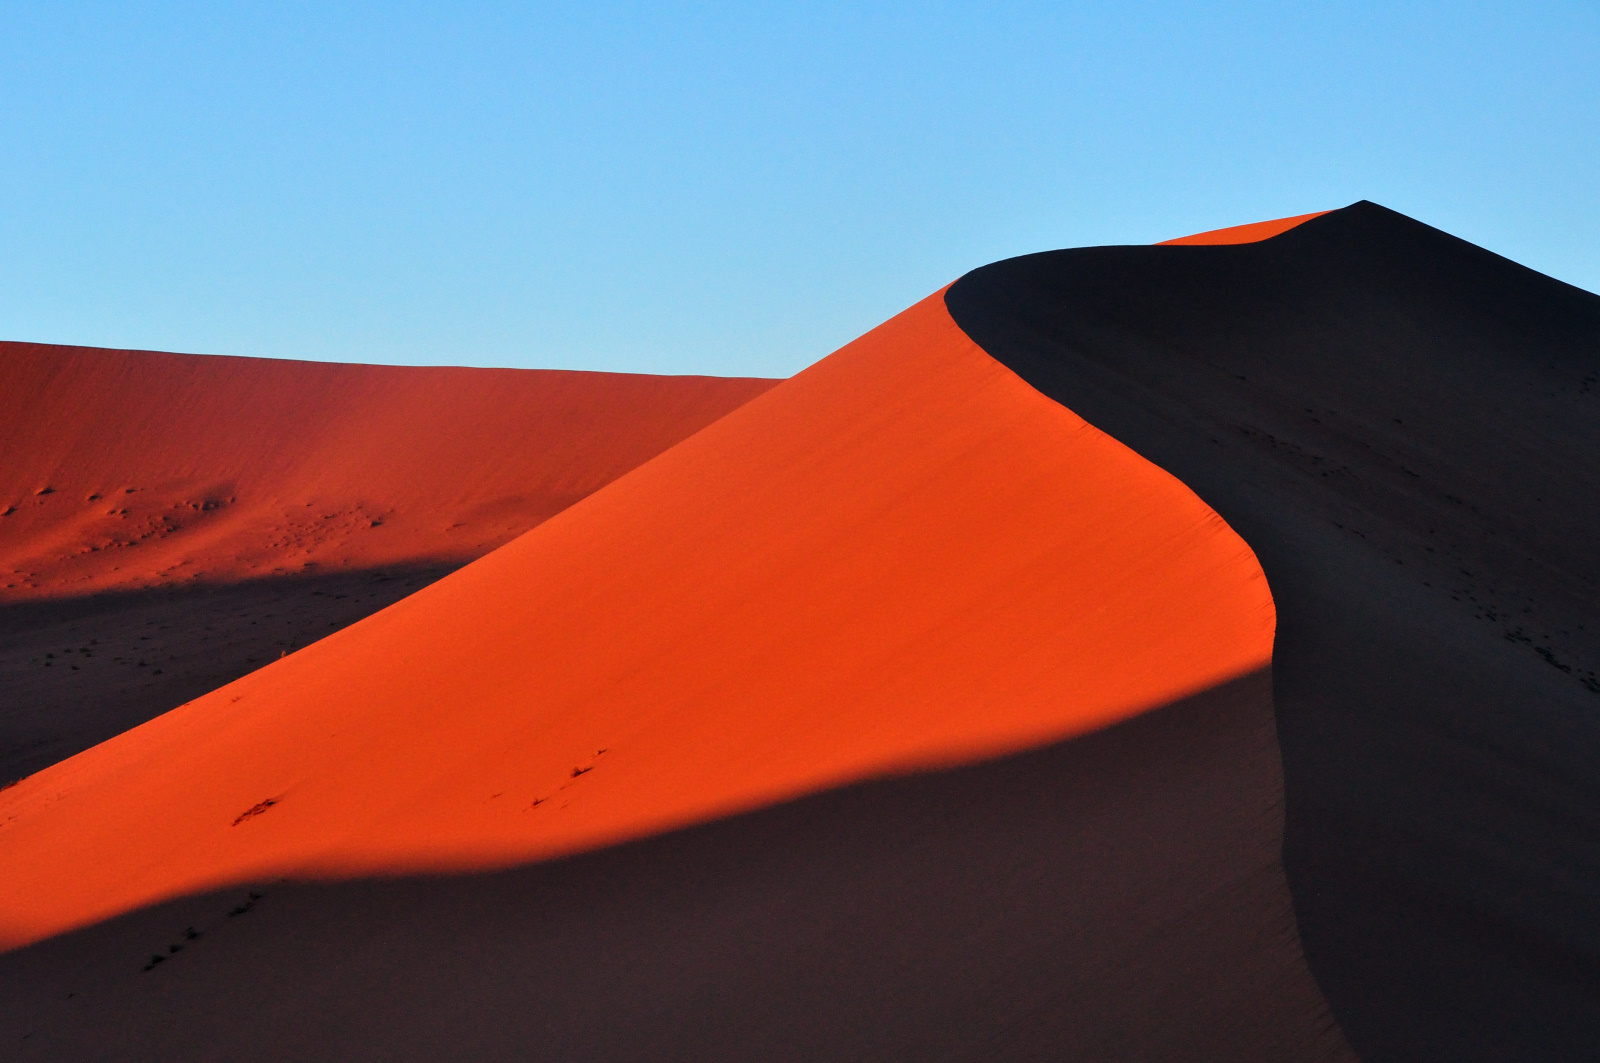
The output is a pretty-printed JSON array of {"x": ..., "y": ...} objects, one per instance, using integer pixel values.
[
  {"x": 897, "y": 714},
  {"x": 1254, "y": 232},
  {"x": 173, "y": 522},
  {"x": 1172, "y": 652},
  {"x": 1404, "y": 428}
]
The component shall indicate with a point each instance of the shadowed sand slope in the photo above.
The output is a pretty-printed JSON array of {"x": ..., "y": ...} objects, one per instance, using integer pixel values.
[
  {"x": 175, "y": 521},
  {"x": 1114, "y": 897},
  {"x": 1404, "y": 427},
  {"x": 77, "y": 670},
  {"x": 902, "y": 560}
]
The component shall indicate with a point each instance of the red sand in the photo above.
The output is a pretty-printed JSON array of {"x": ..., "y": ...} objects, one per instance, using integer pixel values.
[
  {"x": 905, "y": 557},
  {"x": 1244, "y": 234},
  {"x": 133, "y": 469}
]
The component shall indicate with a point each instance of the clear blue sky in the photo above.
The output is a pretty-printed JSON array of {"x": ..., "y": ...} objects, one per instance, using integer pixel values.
[{"x": 725, "y": 188}]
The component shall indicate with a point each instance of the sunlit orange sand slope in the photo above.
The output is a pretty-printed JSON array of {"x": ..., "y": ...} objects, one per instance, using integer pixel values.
[
  {"x": 1245, "y": 234},
  {"x": 129, "y": 469},
  {"x": 904, "y": 557}
]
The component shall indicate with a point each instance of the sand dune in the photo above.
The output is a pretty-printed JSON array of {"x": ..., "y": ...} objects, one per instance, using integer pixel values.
[
  {"x": 923, "y": 708},
  {"x": 1404, "y": 428},
  {"x": 902, "y": 561},
  {"x": 767, "y": 576},
  {"x": 1243, "y": 234},
  {"x": 175, "y": 521},
  {"x": 1115, "y": 896},
  {"x": 132, "y": 469}
]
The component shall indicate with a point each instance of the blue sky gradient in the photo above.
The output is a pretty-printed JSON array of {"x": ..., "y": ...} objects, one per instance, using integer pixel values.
[{"x": 725, "y": 188}]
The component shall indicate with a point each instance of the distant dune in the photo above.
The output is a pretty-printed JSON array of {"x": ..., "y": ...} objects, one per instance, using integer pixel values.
[
  {"x": 173, "y": 521},
  {"x": 127, "y": 469}
]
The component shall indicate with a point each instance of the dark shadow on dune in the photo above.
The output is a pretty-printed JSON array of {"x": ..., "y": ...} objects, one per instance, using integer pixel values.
[
  {"x": 1114, "y": 897},
  {"x": 1406, "y": 430},
  {"x": 74, "y": 671}
]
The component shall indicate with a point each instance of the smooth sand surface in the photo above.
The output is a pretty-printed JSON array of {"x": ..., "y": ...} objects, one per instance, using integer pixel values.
[
  {"x": 1406, "y": 429},
  {"x": 808, "y": 593},
  {"x": 899, "y": 562},
  {"x": 1114, "y": 897},
  {"x": 79, "y": 669},
  {"x": 173, "y": 522},
  {"x": 133, "y": 469},
  {"x": 1243, "y": 234}
]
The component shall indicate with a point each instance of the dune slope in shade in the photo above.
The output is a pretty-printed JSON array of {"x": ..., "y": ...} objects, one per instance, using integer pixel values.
[
  {"x": 1403, "y": 426},
  {"x": 904, "y": 558},
  {"x": 1114, "y": 896},
  {"x": 174, "y": 521}
]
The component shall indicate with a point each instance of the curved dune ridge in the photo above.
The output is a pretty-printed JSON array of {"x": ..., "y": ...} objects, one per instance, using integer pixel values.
[
  {"x": 1252, "y": 233},
  {"x": 172, "y": 522},
  {"x": 1403, "y": 426},
  {"x": 814, "y": 590},
  {"x": 901, "y": 563}
]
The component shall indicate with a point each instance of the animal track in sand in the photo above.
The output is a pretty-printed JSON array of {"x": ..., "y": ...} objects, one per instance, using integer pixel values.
[{"x": 255, "y": 810}]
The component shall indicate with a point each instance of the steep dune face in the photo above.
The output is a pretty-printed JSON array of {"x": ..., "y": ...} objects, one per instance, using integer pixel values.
[
  {"x": 903, "y": 560},
  {"x": 1403, "y": 426},
  {"x": 175, "y": 521}
]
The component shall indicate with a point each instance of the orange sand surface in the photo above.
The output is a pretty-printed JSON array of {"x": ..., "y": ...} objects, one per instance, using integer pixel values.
[
  {"x": 1245, "y": 234},
  {"x": 904, "y": 557},
  {"x": 134, "y": 469}
]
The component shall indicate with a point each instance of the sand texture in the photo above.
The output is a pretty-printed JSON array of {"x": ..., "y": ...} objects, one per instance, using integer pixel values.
[
  {"x": 1406, "y": 430},
  {"x": 173, "y": 521},
  {"x": 898, "y": 714}
]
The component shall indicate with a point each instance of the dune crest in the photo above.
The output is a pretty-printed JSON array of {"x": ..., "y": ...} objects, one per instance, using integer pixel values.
[
  {"x": 1403, "y": 426},
  {"x": 1252, "y": 233},
  {"x": 902, "y": 558}
]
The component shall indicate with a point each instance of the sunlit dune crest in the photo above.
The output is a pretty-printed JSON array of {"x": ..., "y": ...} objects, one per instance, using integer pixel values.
[
  {"x": 1244, "y": 234},
  {"x": 903, "y": 558}
]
